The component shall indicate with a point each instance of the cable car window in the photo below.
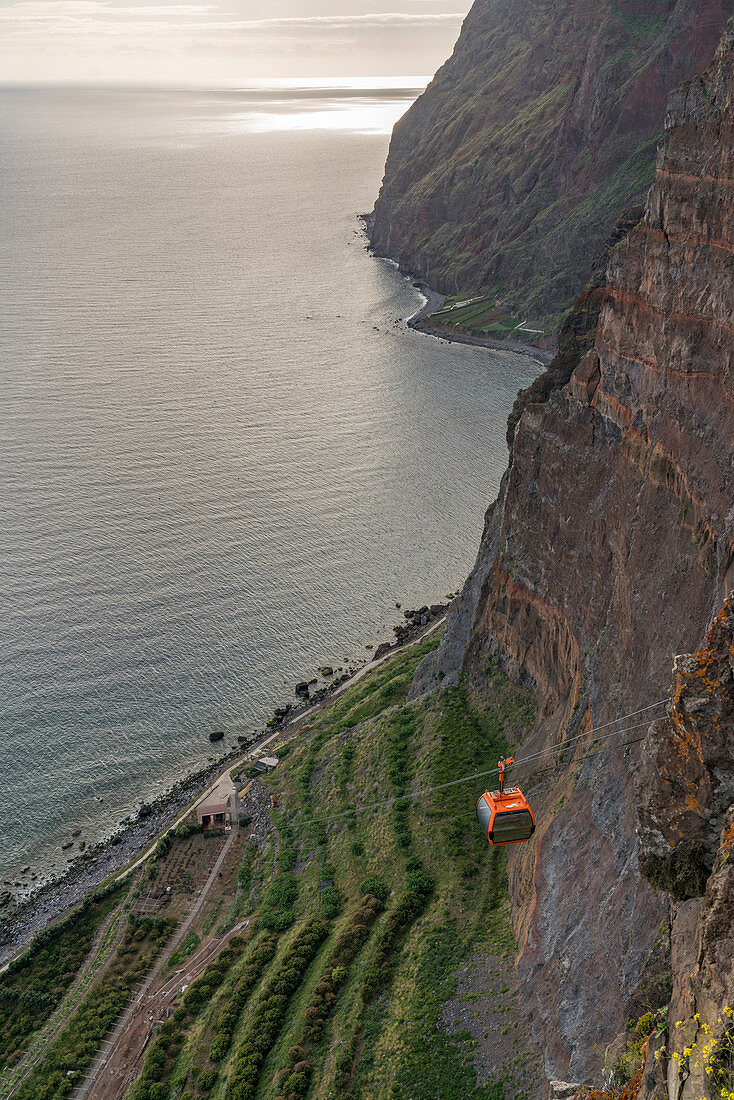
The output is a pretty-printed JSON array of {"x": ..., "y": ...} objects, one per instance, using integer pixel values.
[
  {"x": 515, "y": 825},
  {"x": 484, "y": 813}
]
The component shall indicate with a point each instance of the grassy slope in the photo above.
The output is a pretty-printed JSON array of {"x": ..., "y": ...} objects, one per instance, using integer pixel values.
[
  {"x": 382, "y": 972},
  {"x": 436, "y": 870}
]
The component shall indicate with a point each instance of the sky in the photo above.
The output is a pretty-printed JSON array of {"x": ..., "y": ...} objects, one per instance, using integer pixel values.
[{"x": 224, "y": 41}]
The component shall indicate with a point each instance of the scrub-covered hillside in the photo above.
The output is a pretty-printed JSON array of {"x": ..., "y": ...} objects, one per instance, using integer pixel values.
[{"x": 357, "y": 979}]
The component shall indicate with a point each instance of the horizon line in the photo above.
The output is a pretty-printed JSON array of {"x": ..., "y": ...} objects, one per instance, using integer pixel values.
[{"x": 366, "y": 83}]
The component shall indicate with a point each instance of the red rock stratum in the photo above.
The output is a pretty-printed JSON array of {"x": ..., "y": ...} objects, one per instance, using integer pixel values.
[{"x": 607, "y": 553}]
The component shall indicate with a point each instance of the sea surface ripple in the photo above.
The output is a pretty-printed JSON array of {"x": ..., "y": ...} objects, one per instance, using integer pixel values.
[{"x": 224, "y": 457}]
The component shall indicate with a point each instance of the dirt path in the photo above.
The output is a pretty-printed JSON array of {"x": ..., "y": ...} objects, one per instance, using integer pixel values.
[
  {"x": 95, "y": 1080},
  {"x": 124, "y": 1061}
]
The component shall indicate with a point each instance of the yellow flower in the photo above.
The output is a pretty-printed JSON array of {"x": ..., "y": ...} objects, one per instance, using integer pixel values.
[
  {"x": 679, "y": 1023},
  {"x": 687, "y": 1051}
]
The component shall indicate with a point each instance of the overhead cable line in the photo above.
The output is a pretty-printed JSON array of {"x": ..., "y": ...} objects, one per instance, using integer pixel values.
[
  {"x": 472, "y": 812},
  {"x": 492, "y": 771}
]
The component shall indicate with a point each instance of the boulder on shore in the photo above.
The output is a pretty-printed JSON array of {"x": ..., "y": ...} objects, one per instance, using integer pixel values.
[
  {"x": 216, "y": 735},
  {"x": 302, "y": 689}
]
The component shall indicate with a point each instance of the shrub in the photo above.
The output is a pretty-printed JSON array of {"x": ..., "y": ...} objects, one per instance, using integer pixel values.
[
  {"x": 294, "y": 1079},
  {"x": 375, "y": 886},
  {"x": 419, "y": 887},
  {"x": 287, "y": 859},
  {"x": 269, "y": 1013},
  {"x": 207, "y": 1079},
  {"x": 188, "y": 946},
  {"x": 326, "y": 991},
  {"x": 276, "y": 920},
  {"x": 280, "y": 898},
  {"x": 225, "y": 1023},
  {"x": 330, "y": 902}
]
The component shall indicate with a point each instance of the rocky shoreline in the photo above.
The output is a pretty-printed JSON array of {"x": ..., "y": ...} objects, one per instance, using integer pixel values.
[
  {"x": 421, "y": 321},
  {"x": 135, "y": 834}
]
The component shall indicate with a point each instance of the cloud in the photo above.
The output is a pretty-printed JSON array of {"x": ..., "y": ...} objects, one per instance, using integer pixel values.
[
  {"x": 92, "y": 16},
  {"x": 101, "y": 39},
  {"x": 34, "y": 11},
  {"x": 346, "y": 22}
]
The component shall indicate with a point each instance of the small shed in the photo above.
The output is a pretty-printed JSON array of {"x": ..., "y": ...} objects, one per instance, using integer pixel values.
[
  {"x": 266, "y": 763},
  {"x": 214, "y": 815}
]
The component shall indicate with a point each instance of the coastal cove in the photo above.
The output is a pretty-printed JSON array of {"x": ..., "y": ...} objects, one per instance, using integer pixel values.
[{"x": 227, "y": 457}]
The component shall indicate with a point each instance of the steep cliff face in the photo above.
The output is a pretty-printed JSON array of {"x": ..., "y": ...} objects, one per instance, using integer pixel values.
[
  {"x": 685, "y": 797},
  {"x": 608, "y": 551},
  {"x": 508, "y": 173},
  {"x": 685, "y": 784}
]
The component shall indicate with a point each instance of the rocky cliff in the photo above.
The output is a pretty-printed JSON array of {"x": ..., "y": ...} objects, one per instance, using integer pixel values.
[
  {"x": 685, "y": 797},
  {"x": 608, "y": 551},
  {"x": 508, "y": 173}
]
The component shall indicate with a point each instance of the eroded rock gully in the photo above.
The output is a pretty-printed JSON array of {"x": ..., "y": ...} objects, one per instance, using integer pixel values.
[{"x": 607, "y": 553}]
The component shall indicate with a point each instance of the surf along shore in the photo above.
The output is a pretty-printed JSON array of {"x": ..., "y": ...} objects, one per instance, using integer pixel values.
[{"x": 117, "y": 856}]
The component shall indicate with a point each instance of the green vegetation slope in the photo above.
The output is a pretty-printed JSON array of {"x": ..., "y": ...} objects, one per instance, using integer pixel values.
[{"x": 364, "y": 914}]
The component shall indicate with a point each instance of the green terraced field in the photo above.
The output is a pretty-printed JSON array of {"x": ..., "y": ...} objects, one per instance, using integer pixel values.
[
  {"x": 483, "y": 317},
  {"x": 369, "y": 910}
]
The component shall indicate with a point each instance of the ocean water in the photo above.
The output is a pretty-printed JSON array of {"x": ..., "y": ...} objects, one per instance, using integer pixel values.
[{"x": 223, "y": 456}]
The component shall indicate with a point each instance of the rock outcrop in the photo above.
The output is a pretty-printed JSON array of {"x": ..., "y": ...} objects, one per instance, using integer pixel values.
[
  {"x": 685, "y": 796},
  {"x": 507, "y": 174},
  {"x": 685, "y": 785},
  {"x": 608, "y": 552}
]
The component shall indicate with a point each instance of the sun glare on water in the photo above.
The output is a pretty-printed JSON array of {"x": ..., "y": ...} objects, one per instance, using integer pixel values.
[{"x": 363, "y": 108}]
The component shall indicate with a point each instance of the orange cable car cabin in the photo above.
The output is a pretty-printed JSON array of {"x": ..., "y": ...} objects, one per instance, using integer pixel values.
[{"x": 505, "y": 815}]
